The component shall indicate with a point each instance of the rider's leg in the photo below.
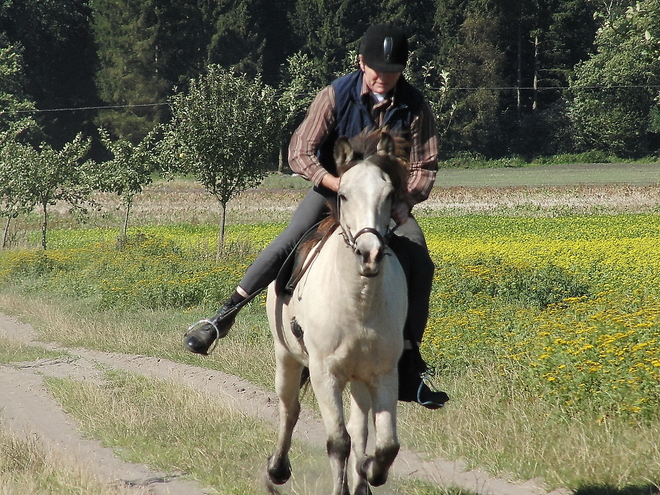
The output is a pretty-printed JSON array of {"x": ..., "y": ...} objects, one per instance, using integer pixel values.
[
  {"x": 261, "y": 272},
  {"x": 411, "y": 250}
]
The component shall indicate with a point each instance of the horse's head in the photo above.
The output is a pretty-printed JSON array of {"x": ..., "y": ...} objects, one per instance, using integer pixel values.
[{"x": 373, "y": 177}]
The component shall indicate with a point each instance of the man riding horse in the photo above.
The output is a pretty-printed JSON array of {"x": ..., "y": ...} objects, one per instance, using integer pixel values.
[{"x": 375, "y": 96}]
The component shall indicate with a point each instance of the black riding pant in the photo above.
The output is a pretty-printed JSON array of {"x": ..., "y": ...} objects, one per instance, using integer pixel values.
[{"x": 409, "y": 246}]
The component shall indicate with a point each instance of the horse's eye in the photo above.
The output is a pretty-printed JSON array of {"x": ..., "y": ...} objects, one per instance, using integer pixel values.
[{"x": 342, "y": 197}]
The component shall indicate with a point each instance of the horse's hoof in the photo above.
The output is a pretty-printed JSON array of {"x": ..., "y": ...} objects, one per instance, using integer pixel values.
[
  {"x": 363, "y": 489},
  {"x": 369, "y": 472},
  {"x": 280, "y": 473}
]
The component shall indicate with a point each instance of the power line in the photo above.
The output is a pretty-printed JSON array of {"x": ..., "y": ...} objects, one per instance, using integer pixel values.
[
  {"x": 480, "y": 88},
  {"x": 78, "y": 109}
]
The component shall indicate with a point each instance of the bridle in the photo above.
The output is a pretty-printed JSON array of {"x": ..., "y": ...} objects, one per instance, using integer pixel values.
[{"x": 351, "y": 240}]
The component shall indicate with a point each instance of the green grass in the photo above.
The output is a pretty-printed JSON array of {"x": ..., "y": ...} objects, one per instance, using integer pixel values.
[
  {"x": 27, "y": 468},
  {"x": 176, "y": 430},
  {"x": 16, "y": 352},
  {"x": 478, "y": 161},
  {"x": 544, "y": 331}
]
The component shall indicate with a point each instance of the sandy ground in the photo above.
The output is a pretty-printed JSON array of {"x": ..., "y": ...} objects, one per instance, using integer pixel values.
[{"x": 28, "y": 409}]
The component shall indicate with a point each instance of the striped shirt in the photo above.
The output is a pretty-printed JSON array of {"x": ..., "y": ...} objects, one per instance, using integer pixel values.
[{"x": 320, "y": 120}]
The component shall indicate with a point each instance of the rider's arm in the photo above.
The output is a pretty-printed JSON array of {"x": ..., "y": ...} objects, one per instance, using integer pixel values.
[
  {"x": 423, "y": 155},
  {"x": 309, "y": 137}
]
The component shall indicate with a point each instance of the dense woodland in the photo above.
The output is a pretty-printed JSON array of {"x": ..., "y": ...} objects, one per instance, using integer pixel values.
[{"x": 505, "y": 77}]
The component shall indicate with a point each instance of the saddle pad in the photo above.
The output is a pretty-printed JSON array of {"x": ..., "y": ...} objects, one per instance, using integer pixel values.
[{"x": 293, "y": 267}]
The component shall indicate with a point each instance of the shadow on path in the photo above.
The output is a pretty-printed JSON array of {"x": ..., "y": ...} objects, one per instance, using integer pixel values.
[{"x": 611, "y": 490}]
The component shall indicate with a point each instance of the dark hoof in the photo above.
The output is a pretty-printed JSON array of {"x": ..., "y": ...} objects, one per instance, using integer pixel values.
[
  {"x": 280, "y": 473},
  {"x": 368, "y": 471}
]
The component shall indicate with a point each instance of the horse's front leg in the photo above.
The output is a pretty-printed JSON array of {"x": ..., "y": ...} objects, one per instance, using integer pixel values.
[
  {"x": 328, "y": 391},
  {"x": 287, "y": 385},
  {"x": 384, "y": 399},
  {"x": 358, "y": 428}
]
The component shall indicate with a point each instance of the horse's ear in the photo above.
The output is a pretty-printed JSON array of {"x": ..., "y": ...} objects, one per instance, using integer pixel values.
[
  {"x": 343, "y": 151},
  {"x": 386, "y": 144}
]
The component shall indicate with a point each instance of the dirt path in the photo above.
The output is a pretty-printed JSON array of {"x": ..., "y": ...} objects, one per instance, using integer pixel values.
[{"x": 28, "y": 409}]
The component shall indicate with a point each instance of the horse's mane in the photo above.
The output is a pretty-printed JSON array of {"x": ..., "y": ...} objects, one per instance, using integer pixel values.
[{"x": 365, "y": 146}]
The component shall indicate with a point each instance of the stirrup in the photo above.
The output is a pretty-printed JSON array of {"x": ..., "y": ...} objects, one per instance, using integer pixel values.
[
  {"x": 200, "y": 323},
  {"x": 426, "y": 380}
]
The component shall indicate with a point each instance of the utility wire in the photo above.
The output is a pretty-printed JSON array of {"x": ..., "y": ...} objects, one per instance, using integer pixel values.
[
  {"x": 77, "y": 109},
  {"x": 493, "y": 88}
]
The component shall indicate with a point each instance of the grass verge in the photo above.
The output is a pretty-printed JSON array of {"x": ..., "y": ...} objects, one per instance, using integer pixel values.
[{"x": 27, "y": 468}]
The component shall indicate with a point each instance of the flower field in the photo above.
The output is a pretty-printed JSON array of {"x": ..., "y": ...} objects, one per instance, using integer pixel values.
[
  {"x": 566, "y": 308},
  {"x": 569, "y": 307}
]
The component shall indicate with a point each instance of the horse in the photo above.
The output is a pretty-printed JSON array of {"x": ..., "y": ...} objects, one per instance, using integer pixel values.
[{"x": 343, "y": 322}]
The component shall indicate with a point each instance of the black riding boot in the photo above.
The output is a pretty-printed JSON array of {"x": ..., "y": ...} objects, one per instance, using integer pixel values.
[
  {"x": 411, "y": 385},
  {"x": 200, "y": 339}
]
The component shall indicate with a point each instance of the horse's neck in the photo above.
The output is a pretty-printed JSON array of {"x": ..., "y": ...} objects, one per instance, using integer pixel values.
[{"x": 345, "y": 276}]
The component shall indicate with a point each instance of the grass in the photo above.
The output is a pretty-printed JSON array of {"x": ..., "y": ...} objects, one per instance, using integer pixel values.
[
  {"x": 14, "y": 352},
  {"x": 28, "y": 468},
  {"x": 478, "y": 161},
  {"x": 543, "y": 330},
  {"x": 174, "y": 429}
]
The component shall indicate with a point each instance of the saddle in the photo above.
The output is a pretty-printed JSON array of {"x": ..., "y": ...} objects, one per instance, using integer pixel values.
[{"x": 294, "y": 266}]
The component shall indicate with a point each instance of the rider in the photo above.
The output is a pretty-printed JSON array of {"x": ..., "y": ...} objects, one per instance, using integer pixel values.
[{"x": 375, "y": 96}]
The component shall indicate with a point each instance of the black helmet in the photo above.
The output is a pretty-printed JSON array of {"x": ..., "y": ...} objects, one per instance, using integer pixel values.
[{"x": 385, "y": 48}]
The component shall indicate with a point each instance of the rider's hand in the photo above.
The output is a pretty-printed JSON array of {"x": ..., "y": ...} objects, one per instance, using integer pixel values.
[
  {"x": 400, "y": 212},
  {"x": 331, "y": 182}
]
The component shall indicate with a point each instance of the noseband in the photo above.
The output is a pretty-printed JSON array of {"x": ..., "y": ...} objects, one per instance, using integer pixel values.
[{"x": 351, "y": 240}]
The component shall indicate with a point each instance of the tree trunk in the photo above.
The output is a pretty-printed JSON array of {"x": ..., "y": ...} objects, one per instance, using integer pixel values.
[
  {"x": 44, "y": 225},
  {"x": 535, "y": 103},
  {"x": 221, "y": 234},
  {"x": 6, "y": 232},
  {"x": 519, "y": 73},
  {"x": 280, "y": 160},
  {"x": 125, "y": 228}
]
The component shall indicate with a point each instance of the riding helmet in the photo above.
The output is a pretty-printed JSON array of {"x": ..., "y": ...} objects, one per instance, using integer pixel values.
[{"x": 384, "y": 48}]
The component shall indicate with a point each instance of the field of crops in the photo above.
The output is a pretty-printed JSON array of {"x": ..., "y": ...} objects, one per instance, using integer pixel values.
[{"x": 567, "y": 308}]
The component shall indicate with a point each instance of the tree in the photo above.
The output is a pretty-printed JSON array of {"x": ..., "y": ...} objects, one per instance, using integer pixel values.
[
  {"x": 129, "y": 71},
  {"x": 13, "y": 126},
  {"x": 13, "y": 100},
  {"x": 59, "y": 59},
  {"x": 129, "y": 170},
  {"x": 48, "y": 176},
  {"x": 476, "y": 63},
  {"x": 303, "y": 79},
  {"x": 615, "y": 91},
  {"x": 13, "y": 201},
  {"x": 224, "y": 131}
]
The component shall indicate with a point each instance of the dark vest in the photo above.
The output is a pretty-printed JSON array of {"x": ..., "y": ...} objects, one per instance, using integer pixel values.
[{"x": 352, "y": 114}]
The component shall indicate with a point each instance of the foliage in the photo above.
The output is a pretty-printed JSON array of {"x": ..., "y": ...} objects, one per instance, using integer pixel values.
[
  {"x": 44, "y": 176},
  {"x": 224, "y": 130},
  {"x": 567, "y": 308},
  {"x": 130, "y": 169},
  {"x": 304, "y": 78},
  {"x": 496, "y": 72},
  {"x": 59, "y": 59},
  {"x": 129, "y": 71},
  {"x": 12, "y": 93},
  {"x": 615, "y": 119}
]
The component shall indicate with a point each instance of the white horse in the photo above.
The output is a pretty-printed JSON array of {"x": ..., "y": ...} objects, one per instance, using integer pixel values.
[{"x": 344, "y": 321}]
